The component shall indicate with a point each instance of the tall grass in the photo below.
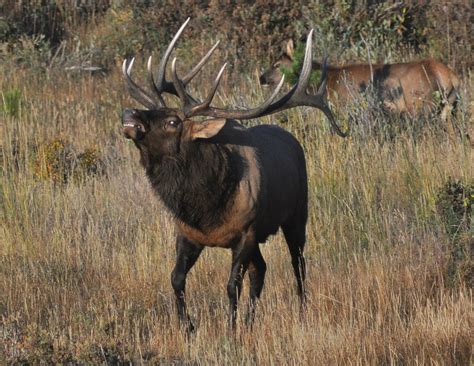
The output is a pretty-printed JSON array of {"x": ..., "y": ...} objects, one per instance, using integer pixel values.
[{"x": 85, "y": 265}]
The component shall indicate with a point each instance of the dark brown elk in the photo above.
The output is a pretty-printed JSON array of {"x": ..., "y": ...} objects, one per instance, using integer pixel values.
[
  {"x": 412, "y": 87},
  {"x": 226, "y": 185}
]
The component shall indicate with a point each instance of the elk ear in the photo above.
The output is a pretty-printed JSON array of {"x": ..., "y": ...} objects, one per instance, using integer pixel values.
[
  {"x": 207, "y": 129},
  {"x": 290, "y": 48}
]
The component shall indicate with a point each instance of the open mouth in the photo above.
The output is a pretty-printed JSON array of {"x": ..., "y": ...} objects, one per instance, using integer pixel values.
[
  {"x": 129, "y": 124},
  {"x": 133, "y": 130}
]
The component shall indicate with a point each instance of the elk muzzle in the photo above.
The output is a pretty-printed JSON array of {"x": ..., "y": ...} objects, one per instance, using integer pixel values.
[
  {"x": 132, "y": 127},
  {"x": 270, "y": 77}
]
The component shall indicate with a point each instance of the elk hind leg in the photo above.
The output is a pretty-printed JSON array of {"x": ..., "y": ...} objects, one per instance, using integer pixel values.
[
  {"x": 257, "y": 268},
  {"x": 241, "y": 255},
  {"x": 295, "y": 236}
]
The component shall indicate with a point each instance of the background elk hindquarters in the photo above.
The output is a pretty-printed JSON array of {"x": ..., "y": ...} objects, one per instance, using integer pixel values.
[
  {"x": 403, "y": 87},
  {"x": 226, "y": 185}
]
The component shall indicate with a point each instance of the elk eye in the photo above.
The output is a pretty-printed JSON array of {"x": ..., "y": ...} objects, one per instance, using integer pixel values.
[{"x": 172, "y": 124}]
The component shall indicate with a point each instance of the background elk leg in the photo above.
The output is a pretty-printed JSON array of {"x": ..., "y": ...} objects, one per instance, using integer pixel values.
[{"x": 187, "y": 255}]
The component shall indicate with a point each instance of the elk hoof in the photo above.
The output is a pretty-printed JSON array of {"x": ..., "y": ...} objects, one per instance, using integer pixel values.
[{"x": 188, "y": 327}]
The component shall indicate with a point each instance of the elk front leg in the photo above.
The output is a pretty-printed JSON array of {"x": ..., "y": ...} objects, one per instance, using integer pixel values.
[
  {"x": 241, "y": 255},
  {"x": 187, "y": 255}
]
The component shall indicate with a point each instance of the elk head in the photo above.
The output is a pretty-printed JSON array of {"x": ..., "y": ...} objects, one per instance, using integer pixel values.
[
  {"x": 163, "y": 131},
  {"x": 273, "y": 75}
]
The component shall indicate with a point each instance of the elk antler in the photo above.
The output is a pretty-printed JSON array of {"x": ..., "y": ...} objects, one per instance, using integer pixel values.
[
  {"x": 161, "y": 85},
  {"x": 165, "y": 86},
  {"x": 296, "y": 96},
  {"x": 139, "y": 94}
]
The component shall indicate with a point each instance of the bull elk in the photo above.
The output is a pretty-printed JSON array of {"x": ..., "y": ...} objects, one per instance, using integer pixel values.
[
  {"x": 402, "y": 87},
  {"x": 226, "y": 185}
]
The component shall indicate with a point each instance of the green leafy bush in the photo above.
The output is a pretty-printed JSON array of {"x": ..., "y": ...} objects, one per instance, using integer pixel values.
[
  {"x": 292, "y": 73},
  {"x": 377, "y": 29},
  {"x": 55, "y": 20},
  {"x": 106, "y": 31},
  {"x": 11, "y": 101},
  {"x": 455, "y": 205},
  {"x": 57, "y": 161},
  {"x": 33, "y": 52}
]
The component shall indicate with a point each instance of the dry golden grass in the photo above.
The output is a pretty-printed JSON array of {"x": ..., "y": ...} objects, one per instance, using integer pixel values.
[{"x": 85, "y": 266}]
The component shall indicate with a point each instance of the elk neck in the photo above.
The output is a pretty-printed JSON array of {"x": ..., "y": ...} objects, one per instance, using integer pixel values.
[{"x": 198, "y": 184}]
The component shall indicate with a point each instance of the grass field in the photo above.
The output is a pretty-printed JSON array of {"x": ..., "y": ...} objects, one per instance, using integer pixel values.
[{"x": 85, "y": 263}]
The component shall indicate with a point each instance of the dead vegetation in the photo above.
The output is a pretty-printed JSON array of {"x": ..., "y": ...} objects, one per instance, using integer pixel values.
[{"x": 84, "y": 265}]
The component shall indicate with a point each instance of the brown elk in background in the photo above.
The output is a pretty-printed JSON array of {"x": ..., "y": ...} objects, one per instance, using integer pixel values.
[
  {"x": 402, "y": 87},
  {"x": 226, "y": 185}
]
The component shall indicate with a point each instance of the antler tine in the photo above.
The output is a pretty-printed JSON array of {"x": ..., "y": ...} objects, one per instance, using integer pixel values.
[
  {"x": 301, "y": 98},
  {"x": 186, "y": 99},
  {"x": 162, "y": 84},
  {"x": 324, "y": 106},
  {"x": 135, "y": 91},
  {"x": 289, "y": 99},
  {"x": 207, "y": 102},
  {"x": 217, "y": 80},
  {"x": 152, "y": 83},
  {"x": 305, "y": 74},
  {"x": 320, "y": 101},
  {"x": 199, "y": 65},
  {"x": 324, "y": 80}
]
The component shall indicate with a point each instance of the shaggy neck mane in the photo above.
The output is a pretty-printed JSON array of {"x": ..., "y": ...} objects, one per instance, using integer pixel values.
[{"x": 198, "y": 184}]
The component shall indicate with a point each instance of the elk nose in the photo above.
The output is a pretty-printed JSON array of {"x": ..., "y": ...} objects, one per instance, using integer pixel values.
[
  {"x": 263, "y": 80},
  {"x": 128, "y": 114}
]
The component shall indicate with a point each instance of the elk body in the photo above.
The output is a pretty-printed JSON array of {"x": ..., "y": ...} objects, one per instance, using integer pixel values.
[
  {"x": 413, "y": 87},
  {"x": 226, "y": 185}
]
